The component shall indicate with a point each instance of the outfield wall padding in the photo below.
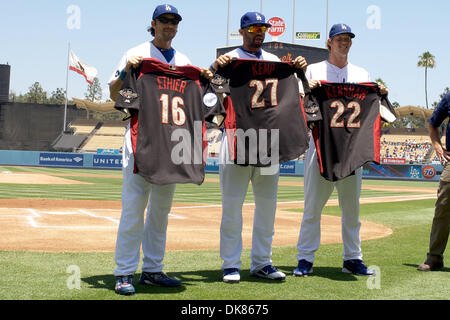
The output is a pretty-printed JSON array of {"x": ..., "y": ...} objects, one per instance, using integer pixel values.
[{"x": 410, "y": 172}]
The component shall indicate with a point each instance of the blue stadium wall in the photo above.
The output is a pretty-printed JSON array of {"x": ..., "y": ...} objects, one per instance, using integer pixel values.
[{"x": 416, "y": 172}]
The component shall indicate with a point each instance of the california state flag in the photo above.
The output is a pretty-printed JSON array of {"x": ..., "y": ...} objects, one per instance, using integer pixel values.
[{"x": 82, "y": 68}]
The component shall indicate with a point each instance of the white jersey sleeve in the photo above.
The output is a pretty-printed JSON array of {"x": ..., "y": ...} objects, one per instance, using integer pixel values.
[
  {"x": 328, "y": 72},
  {"x": 242, "y": 54},
  {"x": 147, "y": 50},
  {"x": 357, "y": 74}
]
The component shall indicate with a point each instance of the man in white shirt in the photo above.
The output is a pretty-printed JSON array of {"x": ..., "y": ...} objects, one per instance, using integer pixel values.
[
  {"x": 316, "y": 188},
  {"x": 136, "y": 191},
  {"x": 234, "y": 179}
]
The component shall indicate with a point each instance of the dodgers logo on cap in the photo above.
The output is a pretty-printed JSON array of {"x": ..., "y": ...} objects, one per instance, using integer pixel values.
[
  {"x": 251, "y": 18},
  {"x": 166, "y": 9},
  {"x": 341, "y": 28}
]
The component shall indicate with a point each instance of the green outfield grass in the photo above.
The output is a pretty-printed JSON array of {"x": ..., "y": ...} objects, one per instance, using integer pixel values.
[
  {"x": 106, "y": 188},
  {"x": 43, "y": 276}
]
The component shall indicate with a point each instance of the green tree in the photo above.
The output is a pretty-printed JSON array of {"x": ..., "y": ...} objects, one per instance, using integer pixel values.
[
  {"x": 93, "y": 94},
  {"x": 36, "y": 94},
  {"x": 379, "y": 80},
  {"x": 395, "y": 104},
  {"x": 435, "y": 104},
  {"x": 426, "y": 60},
  {"x": 94, "y": 91},
  {"x": 12, "y": 96},
  {"x": 58, "y": 96},
  {"x": 409, "y": 121}
]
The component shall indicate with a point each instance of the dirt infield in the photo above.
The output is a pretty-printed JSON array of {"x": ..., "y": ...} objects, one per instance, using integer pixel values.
[
  {"x": 74, "y": 226},
  {"x": 85, "y": 225},
  {"x": 35, "y": 178}
]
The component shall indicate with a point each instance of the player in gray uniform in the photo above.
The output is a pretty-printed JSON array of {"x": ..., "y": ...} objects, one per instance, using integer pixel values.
[
  {"x": 317, "y": 189},
  {"x": 136, "y": 191},
  {"x": 234, "y": 179}
]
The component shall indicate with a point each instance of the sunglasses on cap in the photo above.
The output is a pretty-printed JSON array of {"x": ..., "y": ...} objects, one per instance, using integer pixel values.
[
  {"x": 166, "y": 20},
  {"x": 257, "y": 29}
]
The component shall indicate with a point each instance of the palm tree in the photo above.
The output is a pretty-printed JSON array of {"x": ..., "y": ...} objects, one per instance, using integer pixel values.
[{"x": 426, "y": 60}]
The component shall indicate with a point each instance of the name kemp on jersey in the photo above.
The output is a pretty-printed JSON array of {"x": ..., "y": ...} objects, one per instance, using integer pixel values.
[{"x": 259, "y": 69}]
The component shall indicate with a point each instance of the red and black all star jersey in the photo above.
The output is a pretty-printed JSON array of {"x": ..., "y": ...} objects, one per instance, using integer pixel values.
[
  {"x": 349, "y": 134},
  {"x": 264, "y": 102},
  {"x": 168, "y": 106}
]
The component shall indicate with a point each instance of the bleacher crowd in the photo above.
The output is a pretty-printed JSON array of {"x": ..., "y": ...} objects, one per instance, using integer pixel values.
[{"x": 413, "y": 149}]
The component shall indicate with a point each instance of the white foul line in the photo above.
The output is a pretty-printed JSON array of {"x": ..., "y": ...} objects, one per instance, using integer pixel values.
[{"x": 34, "y": 213}]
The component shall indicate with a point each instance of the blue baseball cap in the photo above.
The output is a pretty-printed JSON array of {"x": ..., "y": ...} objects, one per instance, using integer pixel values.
[
  {"x": 340, "y": 28},
  {"x": 251, "y": 18},
  {"x": 166, "y": 9}
]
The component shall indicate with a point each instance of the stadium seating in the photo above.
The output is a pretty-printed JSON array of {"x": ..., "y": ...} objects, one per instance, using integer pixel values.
[
  {"x": 112, "y": 128},
  {"x": 410, "y": 147},
  {"x": 103, "y": 142},
  {"x": 81, "y": 126},
  {"x": 105, "y": 135}
]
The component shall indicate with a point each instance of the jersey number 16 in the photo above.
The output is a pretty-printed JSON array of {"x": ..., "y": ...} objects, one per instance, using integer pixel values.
[{"x": 178, "y": 114}]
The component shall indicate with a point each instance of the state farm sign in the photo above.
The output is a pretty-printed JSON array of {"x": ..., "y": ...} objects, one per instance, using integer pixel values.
[{"x": 278, "y": 26}]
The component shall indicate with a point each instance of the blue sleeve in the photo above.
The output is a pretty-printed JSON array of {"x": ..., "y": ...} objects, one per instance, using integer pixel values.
[{"x": 441, "y": 112}]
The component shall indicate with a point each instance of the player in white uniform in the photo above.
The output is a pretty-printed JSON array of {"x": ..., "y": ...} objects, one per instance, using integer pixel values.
[
  {"x": 317, "y": 189},
  {"x": 234, "y": 179},
  {"x": 136, "y": 191}
]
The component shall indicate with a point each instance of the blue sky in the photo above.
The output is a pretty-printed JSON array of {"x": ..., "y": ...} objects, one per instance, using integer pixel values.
[{"x": 390, "y": 35}]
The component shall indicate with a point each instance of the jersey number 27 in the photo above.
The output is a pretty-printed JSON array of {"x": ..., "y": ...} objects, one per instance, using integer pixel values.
[{"x": 259, "y": 85}]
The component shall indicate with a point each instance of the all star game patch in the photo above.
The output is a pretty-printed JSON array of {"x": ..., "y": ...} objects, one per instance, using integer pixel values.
[
  {"x": 220, "y": 84},
  {"x": 312, "y": 109},
  {"x": 128, "y": 94}
]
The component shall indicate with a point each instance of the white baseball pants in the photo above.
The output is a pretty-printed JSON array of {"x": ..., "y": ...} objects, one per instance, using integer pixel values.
[
  {"x": 317, "y": 191},
  {"x": 136, "y": 194},
  {"x": 234, "y": 182}
]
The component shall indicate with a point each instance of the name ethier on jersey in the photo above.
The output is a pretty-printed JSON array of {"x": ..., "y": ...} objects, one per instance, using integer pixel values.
[
  {"x": 168, "y": 83},
  {"x": 263, "y": 68},
  {"x": 346, "y": 90}
]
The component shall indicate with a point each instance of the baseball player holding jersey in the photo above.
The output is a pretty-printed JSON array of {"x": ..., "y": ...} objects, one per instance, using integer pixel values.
[
  {"x": 317, "y": 189},
  {"x": 137, "y": 192},
  {"x": 234, "y": 179}
]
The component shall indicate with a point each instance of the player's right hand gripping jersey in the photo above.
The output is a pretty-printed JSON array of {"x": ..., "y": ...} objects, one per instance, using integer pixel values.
[
  {"x": 349, "y": 134},
  {"x": 168, "y": 106},
  {"x": 265, "y": 122}
]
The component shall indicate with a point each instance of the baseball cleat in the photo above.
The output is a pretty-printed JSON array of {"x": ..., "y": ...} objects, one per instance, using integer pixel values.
[
  {"x": 231, "y": 275},
  {"x": 269, "y": 272},
  {"x": 430, "y": 267},
  {"x": 159, "y": 279},
  {"x": 124, "y": 285},
  {"x": 303, "y": 268},
  {"x": 357, "y": 267}
]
